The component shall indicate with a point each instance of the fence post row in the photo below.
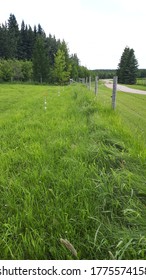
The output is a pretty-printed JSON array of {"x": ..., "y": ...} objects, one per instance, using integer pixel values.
[{"x": 114, "y": 92}]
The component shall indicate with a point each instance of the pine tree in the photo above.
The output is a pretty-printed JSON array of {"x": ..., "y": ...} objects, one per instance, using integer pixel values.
[{"x": 127, "y": 68}]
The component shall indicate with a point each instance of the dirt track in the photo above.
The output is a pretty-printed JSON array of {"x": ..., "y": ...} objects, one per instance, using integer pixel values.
[{"x": 109, "y": 84}]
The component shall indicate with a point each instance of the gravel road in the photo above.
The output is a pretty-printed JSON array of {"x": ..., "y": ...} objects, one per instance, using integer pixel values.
[{"x": 109, "y": 84}]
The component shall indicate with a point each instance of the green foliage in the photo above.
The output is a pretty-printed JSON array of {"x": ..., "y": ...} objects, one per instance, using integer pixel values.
[
  {"x": 63, "y": 47},
  {"x": 128, "y": 67},
  {"x": 27, "y": 71},
  {"x": 15, "y": 70},
  {"x": 6, "y": 70},
  {"x": 72, "y": 171},
  {"x": 74, "y": 67},
  {"x": 40, "y": 61},
  {"x": 83, "y": 72},
  {"x": 17, "y": 74},
  {"x": 61, "y": 69}
]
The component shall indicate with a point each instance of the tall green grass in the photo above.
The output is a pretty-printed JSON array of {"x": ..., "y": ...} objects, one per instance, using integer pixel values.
[
  {"x": 72, "y": 171},
  {"x": 129, "y": 107}
]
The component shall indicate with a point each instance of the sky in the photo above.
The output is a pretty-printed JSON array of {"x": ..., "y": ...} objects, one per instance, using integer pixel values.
[{"x": 96, "y": 30}]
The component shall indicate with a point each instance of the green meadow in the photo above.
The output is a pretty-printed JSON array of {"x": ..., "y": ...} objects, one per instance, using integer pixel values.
[{"x": 72, "y": 169}]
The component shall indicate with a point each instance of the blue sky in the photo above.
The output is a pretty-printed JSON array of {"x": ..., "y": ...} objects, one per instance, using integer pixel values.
[{"x": 97, "y": 30}]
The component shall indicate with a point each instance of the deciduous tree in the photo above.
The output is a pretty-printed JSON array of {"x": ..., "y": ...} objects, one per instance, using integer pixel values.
[{"x": 61, "y": 75}]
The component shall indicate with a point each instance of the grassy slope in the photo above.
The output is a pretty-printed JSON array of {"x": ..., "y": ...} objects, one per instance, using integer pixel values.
[
  {"x": 73, "y": 172},
  {"x": 130, "y": 108}
]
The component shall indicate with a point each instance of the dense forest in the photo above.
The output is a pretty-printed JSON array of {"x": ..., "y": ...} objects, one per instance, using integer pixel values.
[{"x": 26, "y": 53}]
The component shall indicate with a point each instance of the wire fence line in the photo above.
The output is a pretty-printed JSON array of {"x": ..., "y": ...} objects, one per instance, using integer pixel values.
[{"x": 88, "y": 82}]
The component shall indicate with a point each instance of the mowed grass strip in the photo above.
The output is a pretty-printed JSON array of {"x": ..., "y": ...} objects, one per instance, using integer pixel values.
[{"x": 70, "y": 172}]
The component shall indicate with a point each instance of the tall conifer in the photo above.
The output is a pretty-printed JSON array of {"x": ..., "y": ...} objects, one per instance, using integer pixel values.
[
  {"x": 127, "y": 68},
  {"x": 13, "y": 36}
]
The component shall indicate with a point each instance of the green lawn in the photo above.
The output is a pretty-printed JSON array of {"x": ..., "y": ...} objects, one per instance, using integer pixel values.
[
  {"x": 138, "y": 86},
  {"x": 142, "y": 82},
  {"x": 74, "y": 171}
]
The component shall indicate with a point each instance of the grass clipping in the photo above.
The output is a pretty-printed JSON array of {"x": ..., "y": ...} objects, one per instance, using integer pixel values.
[{"x": 69, "y": 246}]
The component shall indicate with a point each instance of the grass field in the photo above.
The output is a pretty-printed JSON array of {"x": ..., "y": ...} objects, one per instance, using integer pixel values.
[
  {"x": 141, "y": 82},
  {"x": 138, "y": 86},
  {"x": 75, "y": 170}
]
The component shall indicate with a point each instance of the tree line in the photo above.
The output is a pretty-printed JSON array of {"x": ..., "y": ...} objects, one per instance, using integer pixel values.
[
  {"x": 28, "y": 54},
  {"x": 103, "y": 73}
]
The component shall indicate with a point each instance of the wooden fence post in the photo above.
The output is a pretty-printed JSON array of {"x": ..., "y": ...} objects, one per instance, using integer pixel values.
[
  {"x": 96, "y": 85},
  {"x": 86, "y": 81},
  {"x": 83, "y": 80},
  {"x": 114, "y": 92},
  {"x": 90, "y": 83}
]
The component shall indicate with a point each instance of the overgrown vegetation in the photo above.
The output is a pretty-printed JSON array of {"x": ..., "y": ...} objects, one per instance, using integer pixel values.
[
  {"x": 73, "y": 171},
  {"x": 15, "y": 70}
]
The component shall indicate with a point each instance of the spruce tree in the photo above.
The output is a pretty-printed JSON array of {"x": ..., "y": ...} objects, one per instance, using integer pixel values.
[
  {"x": 52, "y": 46},
  {"x": 4, "y": 45},
  {"x": 127, "y": 68},
  {"x": 22, "y": 42},
  {"x": 30, "y": 43},
  {"x": 40, "y": 61},
  {"x": 13, "y": 36},
  {"x": 74, "y": 66}
]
